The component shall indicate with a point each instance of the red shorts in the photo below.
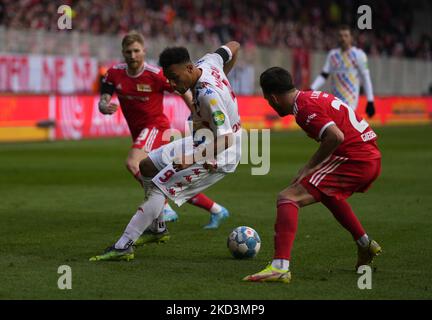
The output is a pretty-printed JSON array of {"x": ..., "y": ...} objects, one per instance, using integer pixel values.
[
  {"x": 340, "y": 177},
  {"x": 149, "y": 139}
]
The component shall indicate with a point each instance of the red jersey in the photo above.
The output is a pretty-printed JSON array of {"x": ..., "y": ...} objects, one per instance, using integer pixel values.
[
  {"x": 314, "y": 111},
  {"x": 140, "y": 96}
]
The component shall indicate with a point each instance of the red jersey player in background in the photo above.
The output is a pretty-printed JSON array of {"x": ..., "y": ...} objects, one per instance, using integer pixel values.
[
  {"x": 140, "y": 88},
  {"x": 347, "y": 161}
]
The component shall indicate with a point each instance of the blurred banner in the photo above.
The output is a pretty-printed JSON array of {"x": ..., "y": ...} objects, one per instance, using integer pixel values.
[
  {"x": 43, "y": 117},
  {"x": 47, "y": 74}
]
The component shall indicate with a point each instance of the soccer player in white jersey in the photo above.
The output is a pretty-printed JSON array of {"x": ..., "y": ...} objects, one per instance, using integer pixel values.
[
  {"x": 347, "y": 67},
  {"x": 183, "y": 168}
]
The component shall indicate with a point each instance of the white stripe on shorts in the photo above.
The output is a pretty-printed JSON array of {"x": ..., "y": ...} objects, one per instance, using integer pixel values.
[
  {"x": 330, "y": 167},
  {"x": 143, "y": 134},
  {"x": 322, "y": 169},
  {"x": 150, "y": 140}
]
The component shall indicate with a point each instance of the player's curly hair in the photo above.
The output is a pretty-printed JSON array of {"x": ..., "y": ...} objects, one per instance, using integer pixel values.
[
  {"x": 276, "y": 80},
  {"x": 173, "y": 55}
]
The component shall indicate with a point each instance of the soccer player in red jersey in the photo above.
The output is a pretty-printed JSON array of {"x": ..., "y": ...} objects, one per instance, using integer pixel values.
[
  {"x": 140, "y": 88},
  {"x": 348, "y": 160}
]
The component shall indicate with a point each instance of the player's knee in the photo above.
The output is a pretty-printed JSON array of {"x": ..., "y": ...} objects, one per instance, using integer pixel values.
[{"x": 147, "y": 168}]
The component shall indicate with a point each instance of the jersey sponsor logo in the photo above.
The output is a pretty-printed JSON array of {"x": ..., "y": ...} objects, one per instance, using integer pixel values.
[
  {"x": 218, "y": 118},
  {"x": 368, "y": 136},
  {"x": 141, "y": 87}
]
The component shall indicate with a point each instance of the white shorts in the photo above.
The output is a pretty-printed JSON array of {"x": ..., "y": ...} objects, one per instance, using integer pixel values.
[{"x": 182, "y": 185}]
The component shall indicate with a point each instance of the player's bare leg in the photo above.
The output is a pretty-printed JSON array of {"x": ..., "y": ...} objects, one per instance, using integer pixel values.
[{"x": 288, "y": 203}]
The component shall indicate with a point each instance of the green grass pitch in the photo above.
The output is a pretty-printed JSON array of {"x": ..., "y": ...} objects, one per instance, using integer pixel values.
[{"x": 63, "y": 202}]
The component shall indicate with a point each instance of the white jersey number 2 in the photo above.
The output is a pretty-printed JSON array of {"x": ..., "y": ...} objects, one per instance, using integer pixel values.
[{"x": 359, "y": 126}]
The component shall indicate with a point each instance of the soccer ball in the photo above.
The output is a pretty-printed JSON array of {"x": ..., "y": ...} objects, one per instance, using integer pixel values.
[{"x": 244, "y": 242}]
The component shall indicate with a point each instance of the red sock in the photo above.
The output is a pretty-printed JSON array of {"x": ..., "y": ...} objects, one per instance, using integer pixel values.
[
  {"x": 343, "y": 213},
  {"x": 285, "y": 228},
  {"x": 201, "y": 201}
]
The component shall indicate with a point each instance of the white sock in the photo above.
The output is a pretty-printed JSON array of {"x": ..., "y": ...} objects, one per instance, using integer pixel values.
[
  {"x": 363, "y": 241},
  {"x": 215, "y": 208},
  {"x": 148, "y": 211},
  {"x": 281, "y": 264}
]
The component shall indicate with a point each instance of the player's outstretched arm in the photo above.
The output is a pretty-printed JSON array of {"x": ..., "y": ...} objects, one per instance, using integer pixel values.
[{"x": 234, "y": 47}]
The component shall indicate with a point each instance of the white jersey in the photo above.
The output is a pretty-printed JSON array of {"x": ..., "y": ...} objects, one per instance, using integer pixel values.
[
  {"x": 216, "y": 108},
  {"x": 347, "y": 69}
]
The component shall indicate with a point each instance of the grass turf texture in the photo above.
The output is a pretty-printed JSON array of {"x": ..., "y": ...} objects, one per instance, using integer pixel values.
[{"x": 63, "y": 202}]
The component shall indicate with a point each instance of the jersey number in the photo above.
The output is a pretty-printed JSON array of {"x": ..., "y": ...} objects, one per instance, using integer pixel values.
[{"x": 359, "y": 126}]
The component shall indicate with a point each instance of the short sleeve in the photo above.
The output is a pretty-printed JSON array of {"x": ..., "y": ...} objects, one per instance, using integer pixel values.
[
  {"x": 314, "y": 120},
  {"x": 218, "y": 118}
]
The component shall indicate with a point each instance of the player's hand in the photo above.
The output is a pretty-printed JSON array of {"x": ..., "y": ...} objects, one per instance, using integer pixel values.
[
  {"x": 370, "y": 109},
  {"x": 109, "y": 108}
]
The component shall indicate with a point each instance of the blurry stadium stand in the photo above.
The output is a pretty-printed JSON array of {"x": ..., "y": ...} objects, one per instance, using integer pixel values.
[
  {"x": 52, "y": 75},
  {"x": 390, "y": 75}
]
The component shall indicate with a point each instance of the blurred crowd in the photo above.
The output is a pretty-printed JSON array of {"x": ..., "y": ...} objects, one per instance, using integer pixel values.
[{"x": 310, "y": 24}]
